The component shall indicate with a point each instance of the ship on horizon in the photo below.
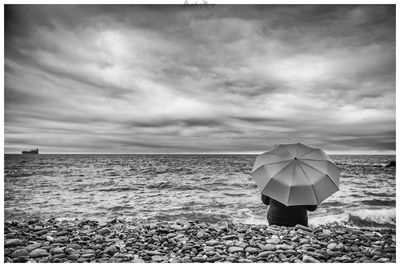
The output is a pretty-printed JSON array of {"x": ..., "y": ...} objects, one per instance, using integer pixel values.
[{"x": 33, "y": 151}]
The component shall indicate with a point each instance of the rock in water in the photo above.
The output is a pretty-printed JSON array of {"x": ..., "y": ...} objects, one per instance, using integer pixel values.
[{"x": 391, "y": 164}]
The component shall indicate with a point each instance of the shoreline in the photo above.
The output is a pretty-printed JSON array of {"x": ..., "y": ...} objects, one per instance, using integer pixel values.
[{"x": 57, "y": 241}]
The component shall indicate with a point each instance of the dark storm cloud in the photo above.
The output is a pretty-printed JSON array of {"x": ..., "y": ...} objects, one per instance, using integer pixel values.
[{"x": 139, "y": 78}]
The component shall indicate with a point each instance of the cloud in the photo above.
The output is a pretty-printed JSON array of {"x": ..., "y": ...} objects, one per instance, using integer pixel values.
[{"x": 133, "y": 79}]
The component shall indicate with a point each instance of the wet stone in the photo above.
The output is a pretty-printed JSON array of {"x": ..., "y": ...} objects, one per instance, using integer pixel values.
[
  {"x": 13, "y": 243},
  {"x": 235, "y": 249},
  {"x": 33, "y": 246},
  {"x": 198, "y": 259},
  {"x": 228, "y": 237},
  {"x": 252, "y": 250},
  {"x": 39, "y": 252},
  {"x": 56, "y": 250},
  {"x": 104, "y": 231},
  {"x": 19, "y": 253},
  {"x": 309, "y": 259},
  {"x": 157, "y": 258},
  {"x": 62, "y": 239},
  {"x": 265, "y": 254},
  {"x": 267, "y": 247}
]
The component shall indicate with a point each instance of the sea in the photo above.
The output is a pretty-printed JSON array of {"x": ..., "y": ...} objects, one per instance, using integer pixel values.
[{"x": 181, "y": 187}]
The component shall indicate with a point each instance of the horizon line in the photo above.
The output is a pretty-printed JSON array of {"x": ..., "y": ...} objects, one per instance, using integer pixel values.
[{"x": 202, "y": 153}]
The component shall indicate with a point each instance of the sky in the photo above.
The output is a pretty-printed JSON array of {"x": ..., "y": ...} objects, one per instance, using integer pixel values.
[{"x": 184, "y": 79}]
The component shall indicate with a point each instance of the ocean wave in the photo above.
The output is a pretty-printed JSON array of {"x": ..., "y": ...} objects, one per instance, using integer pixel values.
[
  {"x": 118, "y": 189},
  {"x": 359, "y": 218},
  {"x": 378, "y": 202}
]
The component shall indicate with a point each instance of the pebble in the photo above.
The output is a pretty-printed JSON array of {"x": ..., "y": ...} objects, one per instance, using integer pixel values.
[
  {"x": 212, "y": 242},
  {"x": 104, "y": 231},
  {"x": 252, "y": 250},
  {"x": 176, "y": 227},
  {"x": 227, "y": 237},
  {"x": 309, "y": 259},
  {"x": 56, "y": 250},
  {"x": 265, "y": 254},
  {"x": 13, "y": 243},
  {"x": 235, "y": 249},
  {"x": 33, "y": 246},
  {"x": 157, "y": 258},
  {"x": 331, "y": 246},
  {"x": 183, "y": 242},
  {"x": 19, "y": 253},
  {"x": 284, "y": 247},
  {"x": 267, "y": 247},
  {"x": 302, "y": 227},
  {"x": 198, "y": 259},
  {"x": 39, "y": 252}
]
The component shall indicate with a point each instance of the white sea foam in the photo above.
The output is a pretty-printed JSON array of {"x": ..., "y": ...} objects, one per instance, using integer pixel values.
[{"x": 361, "y": 217}]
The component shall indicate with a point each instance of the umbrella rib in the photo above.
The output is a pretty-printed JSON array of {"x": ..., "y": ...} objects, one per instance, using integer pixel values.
[
  {"x": 276, "y": 175},
  {"x": 312, "y": 186},
  {"x": 320, "y": 172},
  {"x": 290, "y": 188},
  {"x": 270, "y": 164}
]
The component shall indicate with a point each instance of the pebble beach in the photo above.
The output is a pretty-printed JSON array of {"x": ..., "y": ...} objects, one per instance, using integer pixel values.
[{"x": 118, "y": 240}]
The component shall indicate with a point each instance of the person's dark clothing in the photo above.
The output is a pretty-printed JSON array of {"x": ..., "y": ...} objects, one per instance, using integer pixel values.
[{"x": 279, "y": 214}]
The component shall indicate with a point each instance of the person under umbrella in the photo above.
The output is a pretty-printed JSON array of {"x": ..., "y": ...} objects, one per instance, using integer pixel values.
[{"x": 294, "y": 178}]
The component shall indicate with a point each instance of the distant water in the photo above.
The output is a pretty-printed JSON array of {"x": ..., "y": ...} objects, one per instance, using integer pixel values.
[{"x": 207, "y": 188}]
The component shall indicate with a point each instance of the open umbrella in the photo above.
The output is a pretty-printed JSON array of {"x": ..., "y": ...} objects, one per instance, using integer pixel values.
[{"x": 295, "y": 174}]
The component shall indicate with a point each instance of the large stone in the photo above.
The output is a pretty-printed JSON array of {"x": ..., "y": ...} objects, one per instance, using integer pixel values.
[
  {"x": 62, "y": 239},
  {"x": 284, "y": 247},
  {"x": 175, "y": 227},
  {"x": 265, "y": 254},
  {"x": 19, "y": 253},
  {"x": 157, "y": 258},
  {"x": 33, "y": 246},
  {"x": 302, "y": 227},
  {"x": 197, "y": 259},
  {"x": 228, "y": 237},
  {"x": 252, "y": 250},
  {"x": 331, "y": 246},
  {"x": 104, "y": 231},
  {"x": 13, "y": 243},
  {"x": 111, "y": 250},
  {"x": 56, "y": 250},
  {"x": 208, "y": 248},
  {"x": 273, "y": 240},
  {"x": 39, "y": 252},
  {"x": 325, "y": 233},
  {"x": 152, "y": 253},
  {"x": 235, "y": 249},
  {"x": 309, "y": 259},
  {"x": 267, "y": 247},
  {"x": 87, "y": 251}
]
